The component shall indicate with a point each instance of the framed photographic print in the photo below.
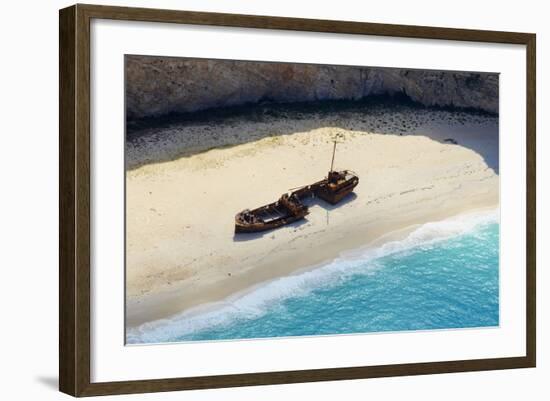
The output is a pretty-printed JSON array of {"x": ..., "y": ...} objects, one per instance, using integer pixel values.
[{"x": 250, "y": 200}]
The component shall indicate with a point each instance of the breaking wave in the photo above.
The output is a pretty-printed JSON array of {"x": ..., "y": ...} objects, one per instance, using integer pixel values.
[{"x": 263, "y": 298}]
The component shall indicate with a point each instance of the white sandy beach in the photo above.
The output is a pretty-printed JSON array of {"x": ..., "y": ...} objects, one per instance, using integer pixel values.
[{"x": 181, "y": 198}]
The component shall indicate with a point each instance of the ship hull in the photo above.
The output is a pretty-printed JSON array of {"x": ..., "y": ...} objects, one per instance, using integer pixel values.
[
  {"x": 289, "y": 208},
  {"x": 259, "y": 227},
  {"x": 335, "y": 197}
]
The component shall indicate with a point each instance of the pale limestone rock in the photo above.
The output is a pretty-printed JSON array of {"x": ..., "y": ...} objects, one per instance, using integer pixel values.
[{"x": 163, "y": 85}]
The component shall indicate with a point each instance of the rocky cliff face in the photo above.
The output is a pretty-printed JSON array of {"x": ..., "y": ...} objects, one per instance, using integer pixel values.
[{"x": 161, "y": 85}]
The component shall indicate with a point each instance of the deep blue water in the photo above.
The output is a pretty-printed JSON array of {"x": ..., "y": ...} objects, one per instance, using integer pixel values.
[{"x": 444, "y": 275}]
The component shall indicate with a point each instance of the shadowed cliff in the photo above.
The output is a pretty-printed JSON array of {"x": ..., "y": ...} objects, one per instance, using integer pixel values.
[{"x": 158, "y": 86}]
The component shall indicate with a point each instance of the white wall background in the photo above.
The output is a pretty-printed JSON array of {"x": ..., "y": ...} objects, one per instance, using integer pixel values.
[{"x": 28, "y": 198}]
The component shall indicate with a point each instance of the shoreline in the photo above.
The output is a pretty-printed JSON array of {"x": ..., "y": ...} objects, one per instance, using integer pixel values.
[
  {"x": 167, "y": 305},
  {"x": 477, "y": 215}
]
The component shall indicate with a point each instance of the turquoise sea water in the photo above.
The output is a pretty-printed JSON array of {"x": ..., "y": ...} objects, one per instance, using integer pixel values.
[{"x": 443, "y": 275}]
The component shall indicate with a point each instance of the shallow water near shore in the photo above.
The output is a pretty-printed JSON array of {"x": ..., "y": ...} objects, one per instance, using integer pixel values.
[{"x": 443, "y": 275}]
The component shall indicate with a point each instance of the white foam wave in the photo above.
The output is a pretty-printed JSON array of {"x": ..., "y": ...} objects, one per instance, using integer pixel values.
[{"x": 257, "y": 301}]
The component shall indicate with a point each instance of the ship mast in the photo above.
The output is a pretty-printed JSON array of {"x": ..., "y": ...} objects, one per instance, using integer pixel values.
[{"x": 333, "y": 153}]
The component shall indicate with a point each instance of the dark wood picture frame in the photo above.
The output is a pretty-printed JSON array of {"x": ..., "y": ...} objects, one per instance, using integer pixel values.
[{"x": 74, "y": 200}]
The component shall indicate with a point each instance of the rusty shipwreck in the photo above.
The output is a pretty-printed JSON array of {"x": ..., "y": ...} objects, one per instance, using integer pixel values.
[{"x": 290, "y": 206}]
